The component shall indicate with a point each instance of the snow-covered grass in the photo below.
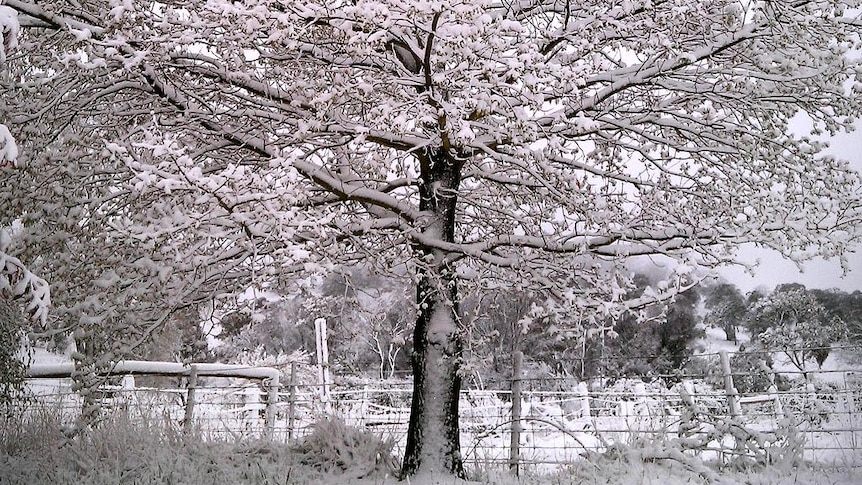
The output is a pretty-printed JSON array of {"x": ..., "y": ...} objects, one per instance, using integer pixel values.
[
  {"x": 151, "y": 448},
  {"x": 35, "y": 451},
  {"x": 554, "y": 431}
]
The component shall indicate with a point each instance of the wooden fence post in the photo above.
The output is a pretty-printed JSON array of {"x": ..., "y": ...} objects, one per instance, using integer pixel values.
[
  {"x": 271, "y": 407},
  {"x": 732, "y": 397},
  {"x": 515, "y": 444},
  {"x": 291, "y": 405},
  {"x": 778, "y": 409},
  {"x": 729, "y": 389},
  {"x": 188, "y": 418}
]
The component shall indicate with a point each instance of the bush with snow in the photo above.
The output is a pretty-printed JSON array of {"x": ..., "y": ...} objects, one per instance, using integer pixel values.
[{"x": 336, "y": 448}]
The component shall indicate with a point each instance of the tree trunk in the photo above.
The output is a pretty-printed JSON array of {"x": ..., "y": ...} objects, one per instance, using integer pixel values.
[
  {"x": 730, "y": 331},
  {"x": 433, "y": 436}
]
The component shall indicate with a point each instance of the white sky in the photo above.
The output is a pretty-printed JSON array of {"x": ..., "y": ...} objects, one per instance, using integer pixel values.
[{"x": 773, "y": 269}]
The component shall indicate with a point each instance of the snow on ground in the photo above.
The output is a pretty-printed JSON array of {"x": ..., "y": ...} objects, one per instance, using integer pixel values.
[
  {"x": 631, "y": 474},
  {"x": 715, "y": 340},
  {"x": 626, "y": 472},
  {"x": 41, "y": 357}
]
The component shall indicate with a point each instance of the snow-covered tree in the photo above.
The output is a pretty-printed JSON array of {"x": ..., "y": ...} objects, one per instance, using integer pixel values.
[
  {"x": 657, "y": 340},
  {"x": 726, "y": 308},
  {"x": 792, "y": 321},
  {"x": 17, "y": 282},
  {"x": 174, "y": 153}
]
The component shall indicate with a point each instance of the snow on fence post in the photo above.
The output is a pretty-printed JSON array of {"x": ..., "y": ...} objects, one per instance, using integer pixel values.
[
  {"x": 634, "y": 410},
  {"x": 688, "y": 419},
  {"x": 732, "y": 398},
  {"x": 128, "y": 392},
  {"x": 323, "y": 363},
  {"x": 732, "y": 393},
  {"x": 271, "y": 403},
  {"x": 773, "y": 390},
  {"x": 128, "y": 383},
  {"x": 188, "y": 417},
  {"x": 850, "y": 396},
  {"x": 515, "y": 443},
  {"x": 291, "y": 404},
  {"x": 251, "y": 408},
  {"x": 584, "y": 398}
]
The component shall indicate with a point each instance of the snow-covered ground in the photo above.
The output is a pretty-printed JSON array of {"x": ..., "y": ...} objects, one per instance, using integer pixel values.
[
  {"x": 559, "y": 426},
  {"x": 634, "y": 474}
]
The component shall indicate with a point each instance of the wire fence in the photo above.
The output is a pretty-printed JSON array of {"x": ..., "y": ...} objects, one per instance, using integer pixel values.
[{"x": 815, "y": 415}]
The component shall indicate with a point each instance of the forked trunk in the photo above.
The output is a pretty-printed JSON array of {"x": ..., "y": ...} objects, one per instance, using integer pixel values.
[
  {"x": 730, "y": 331},
  {"x": 433, "y": 436}
]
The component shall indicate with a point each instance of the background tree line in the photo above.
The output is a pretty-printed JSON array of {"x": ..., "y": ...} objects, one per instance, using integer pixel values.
[{"x": 370, "y": 320}]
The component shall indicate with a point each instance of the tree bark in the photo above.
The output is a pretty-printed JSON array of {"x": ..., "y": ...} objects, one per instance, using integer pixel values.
[
  {"x": 730, "y": 331},
  {"x": 433, "y": 436}
]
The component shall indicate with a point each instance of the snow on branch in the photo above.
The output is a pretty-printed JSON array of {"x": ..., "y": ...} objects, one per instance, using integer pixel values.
[
  {"x": 19, "y": 281},
  {"x": 9, "y": 28},
  {"x": 319, "y": 174},
  {"x": 8, "y": 147},
  {"x": 54, "y": 20},
  {"x": 575, "y": 130}
]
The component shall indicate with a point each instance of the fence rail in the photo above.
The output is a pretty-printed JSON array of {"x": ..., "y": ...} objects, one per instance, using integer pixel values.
[{"x": 536, "y": 423}]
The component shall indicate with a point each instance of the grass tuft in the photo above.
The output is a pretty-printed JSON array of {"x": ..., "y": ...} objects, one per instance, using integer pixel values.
[
  {"x": 335, "y": 448},
  {"x": 33, "y": 450}
]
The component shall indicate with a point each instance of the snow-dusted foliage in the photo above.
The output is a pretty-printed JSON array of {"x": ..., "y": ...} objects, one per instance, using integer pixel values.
[
  {"x": 795, "y": 323},
  {"x": 9, "y": 28},
  {"x": 16, "y": 280},
  {"x": 335, "y": 448},
  {"x": 8, "y": 147},
  {"x": 174, "y": 153}
]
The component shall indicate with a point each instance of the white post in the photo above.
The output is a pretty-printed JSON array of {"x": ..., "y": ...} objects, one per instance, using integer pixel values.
[
  {"x": 251, "y": 408},
  {"x": 128, "y": 392},
  {"x": 584, "y": 397},
  {"x": 323, "y": 363},
  {"x": 128, "y": 383}
]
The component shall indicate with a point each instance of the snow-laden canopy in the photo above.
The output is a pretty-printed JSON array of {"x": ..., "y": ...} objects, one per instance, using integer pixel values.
[{"x": 175, "y": 152}]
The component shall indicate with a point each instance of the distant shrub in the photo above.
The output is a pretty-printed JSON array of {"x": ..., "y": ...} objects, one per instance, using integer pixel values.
[{"x": 751, "y": 373}]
